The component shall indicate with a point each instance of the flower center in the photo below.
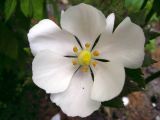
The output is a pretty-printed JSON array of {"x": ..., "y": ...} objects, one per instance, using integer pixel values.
[{"x": 84, "y": 57}]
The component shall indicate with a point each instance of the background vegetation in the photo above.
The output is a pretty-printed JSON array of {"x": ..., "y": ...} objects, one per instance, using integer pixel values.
[{"x": 20, "y": 99}]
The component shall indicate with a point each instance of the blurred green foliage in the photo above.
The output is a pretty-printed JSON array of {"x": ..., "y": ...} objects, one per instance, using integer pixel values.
[
  {"x": 19, "y": 98},
  {"x": 15, "y": 70},
  {"x": 134, "y": 5},
  {"x": 151, "y": 46}
]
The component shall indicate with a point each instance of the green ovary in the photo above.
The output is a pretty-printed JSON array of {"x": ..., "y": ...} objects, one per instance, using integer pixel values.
[{"x": 84, "y": 57}]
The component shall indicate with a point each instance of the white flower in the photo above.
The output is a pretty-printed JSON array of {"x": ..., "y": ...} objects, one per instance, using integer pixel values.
[{"x": 58, "y": 55}]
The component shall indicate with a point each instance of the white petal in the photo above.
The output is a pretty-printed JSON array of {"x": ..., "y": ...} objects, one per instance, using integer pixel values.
[
  {"x": 109, "y": 80},
  {"x": 126, "y": 45},
  {"x": 52, "y": 72},
  {"x": 56, "y": 117},
  {"x": 84, "y": 21},
  {"x": 76, "y": 101},
  {"x": 110, "y": 23},
  {"x": 62, "y": 11},
  {"x": 47, "y": 35}
]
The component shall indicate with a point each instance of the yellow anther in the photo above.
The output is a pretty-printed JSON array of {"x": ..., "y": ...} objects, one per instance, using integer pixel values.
[
  {"x": 74, "y": 62},
  {"x": 87, "y": 45},
  {"x": 94, "y": 63},
  {"x": 84, "y": 68},
  {"x": 75, "y": 49},
  {"x": 96, "y": 53}
]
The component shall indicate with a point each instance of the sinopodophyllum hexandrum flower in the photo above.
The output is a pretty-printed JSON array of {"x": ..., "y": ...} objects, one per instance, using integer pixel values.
[{"x": 78, "y": 73}]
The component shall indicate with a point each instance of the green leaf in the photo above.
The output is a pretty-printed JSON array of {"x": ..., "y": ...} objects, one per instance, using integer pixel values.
[
  {"x": 56, "y": 11},
  {"x": 133, "y": 5},
  {"x": 149, "y": 15},
  {"x": 151, "y": 46},
  {"x": 155, "y": 9},
  {"x": 8, "y": 42},
  {"x": 150, "y": 35},
  {"x": 156, "y": 6},
  {"x": 26, "y": 7},
  {"x": 33, "y": 8},
  {"x": 116, "y": 102},
  {"x": 153, "y": 34},
  {"x": 144, "y": 4},
  {"x": 137, "y": 18},
  {"x": 148, "y": 61},
  {"x": 38, "y": 7},
  {"x": 10, "y": 6},
  {"x": 136, "y": 76}
]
